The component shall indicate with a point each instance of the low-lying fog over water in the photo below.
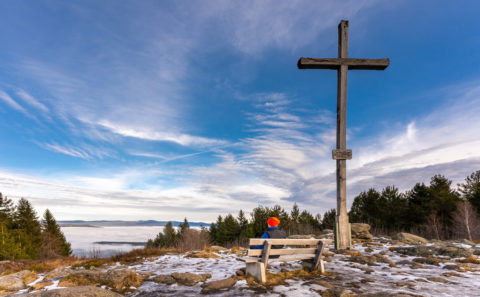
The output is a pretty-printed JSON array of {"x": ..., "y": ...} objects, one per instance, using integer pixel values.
[{"x": 83, "y": 239}]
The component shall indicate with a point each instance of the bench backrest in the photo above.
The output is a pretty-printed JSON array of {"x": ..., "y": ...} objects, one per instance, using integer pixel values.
[{"x": 296, "y": 246}]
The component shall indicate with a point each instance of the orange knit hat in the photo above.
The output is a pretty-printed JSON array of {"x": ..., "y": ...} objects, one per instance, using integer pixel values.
[{"x": 273, "y": 221}]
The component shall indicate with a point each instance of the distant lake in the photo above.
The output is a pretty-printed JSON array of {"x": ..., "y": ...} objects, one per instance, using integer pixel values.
[{"x": 83, "y": 239}]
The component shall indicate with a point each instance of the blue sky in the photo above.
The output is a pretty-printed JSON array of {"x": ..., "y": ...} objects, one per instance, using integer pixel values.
[{"x": 170, "y": 109}]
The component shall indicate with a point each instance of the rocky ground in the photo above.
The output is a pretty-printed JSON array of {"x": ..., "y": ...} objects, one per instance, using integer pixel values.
[{"x": 380, "y": 266}]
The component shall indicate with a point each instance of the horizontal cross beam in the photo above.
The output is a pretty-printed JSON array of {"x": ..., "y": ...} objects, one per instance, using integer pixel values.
[{"x": 335, "y": 63}]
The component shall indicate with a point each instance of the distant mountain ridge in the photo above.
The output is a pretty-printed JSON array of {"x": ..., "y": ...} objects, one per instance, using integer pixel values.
[{"x": 119, "y": 223}]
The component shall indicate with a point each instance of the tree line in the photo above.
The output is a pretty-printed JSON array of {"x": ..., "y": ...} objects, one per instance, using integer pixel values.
[
  {"x": 436, "y": 210},
  {"x": 24, "y": 236},
  {"x": 236, "y": 230},
  {"x": 231, "y": 230},
  {"x": 184, "y": 238}
]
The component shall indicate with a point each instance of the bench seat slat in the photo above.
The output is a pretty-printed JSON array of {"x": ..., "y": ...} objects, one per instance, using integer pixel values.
[
  {"x": 252, "y": 252},
  {"x": 283, "y": 258}
]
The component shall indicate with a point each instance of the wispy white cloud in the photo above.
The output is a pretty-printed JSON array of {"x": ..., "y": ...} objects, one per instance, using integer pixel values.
[
  {"x": 167, "y": 158},
  {"x": 67, "y": 151},
  {"x": 182, "y": 139},
  {"x": 276, "y": 165},
  {"x": 83, "y": 152},
  {"x": 142, "y": 82},
  {"x": 12, "y": 103},
  {"x": 288, "y": 163},
  {"x": 111, "y": 198},
  {"x": 29, "y": 99}
]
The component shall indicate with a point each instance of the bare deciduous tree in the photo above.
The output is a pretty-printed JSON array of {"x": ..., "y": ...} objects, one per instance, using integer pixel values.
[
  {"x": 466, "y": 223},
  {"x": 434, "y": 227},
  {"x": 192, "y": 239}
]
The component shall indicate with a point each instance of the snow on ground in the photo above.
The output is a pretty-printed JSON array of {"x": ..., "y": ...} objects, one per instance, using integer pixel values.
[
  {"x": 348, "y": 275},
  {"x": 341, "y": 272}
]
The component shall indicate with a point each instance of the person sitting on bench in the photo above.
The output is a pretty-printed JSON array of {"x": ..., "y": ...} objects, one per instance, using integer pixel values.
[{"x": 272, "y": 232}]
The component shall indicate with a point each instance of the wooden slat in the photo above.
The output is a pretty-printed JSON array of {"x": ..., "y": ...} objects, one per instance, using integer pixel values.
[
  {"x": 292, "y": 258},
  {"x": 281, "y": 241},
  {"x": 283, "y": 258},
  {"x": 276, "y": 252},
  {"x": 335, "y": 63},
  {"x": 250, "y": 259},
  {"x": 280, "y": 252}
]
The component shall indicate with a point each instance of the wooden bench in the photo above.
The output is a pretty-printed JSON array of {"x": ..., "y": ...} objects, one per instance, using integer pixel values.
[{"x": 293, "y": 249}]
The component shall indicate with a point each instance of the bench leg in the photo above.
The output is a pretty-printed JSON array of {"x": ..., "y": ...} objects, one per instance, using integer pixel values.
[
  {"x": 257, "y": 270},
  {"x": 321, "y": 267},
  {"x": 308, "y": 264}
]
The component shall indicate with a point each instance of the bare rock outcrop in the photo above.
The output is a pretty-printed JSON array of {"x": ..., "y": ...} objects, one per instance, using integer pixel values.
[
  {"x": 58, "y": 272},
  {"x": 218, "y": 285},
  {"x": 164, "y": 279},
  {"x": 190, "y": 279},
  {"x": 361, "y": 231},
  {"x": 17, "y": 281},
  {"x": 410, "y": 238},
  {"x": 118, "y": 279},
  {"x": 442, "y": 250}
]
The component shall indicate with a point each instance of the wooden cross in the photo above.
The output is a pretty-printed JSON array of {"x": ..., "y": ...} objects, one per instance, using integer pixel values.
[{"x": 342, "y": 64}]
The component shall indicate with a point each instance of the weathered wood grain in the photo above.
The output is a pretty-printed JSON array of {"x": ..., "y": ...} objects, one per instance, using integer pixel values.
[{"x": 335, "y": 63}]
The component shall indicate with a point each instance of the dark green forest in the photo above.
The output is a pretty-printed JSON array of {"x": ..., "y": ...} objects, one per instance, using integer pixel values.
[
  {"x": 436, "y": 210},
  {"x": 24, "y": 236}
]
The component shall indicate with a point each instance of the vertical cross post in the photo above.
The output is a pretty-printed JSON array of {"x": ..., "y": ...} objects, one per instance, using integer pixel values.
[
  {"x": 342, "y": 236},
  {"x": 341, "y": 154}
]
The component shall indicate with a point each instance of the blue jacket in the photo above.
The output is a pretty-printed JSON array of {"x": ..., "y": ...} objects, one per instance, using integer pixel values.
[{"x": 264, "y": 235}]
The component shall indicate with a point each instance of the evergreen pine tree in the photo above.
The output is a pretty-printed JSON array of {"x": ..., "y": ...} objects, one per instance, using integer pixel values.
[
  {"x": 9, "y": 249},
  {"x": 166, "y": 239},
  {"x": 184, "y": 226},
  {"x": 394, "y": 211},
  {"x": 170, "y": 235},
  {"x": 54, "y": 241},
  {"x": 259, "y": 220},
  {"x": 27, "y": 230},
  {"x": 243, "y": 223},
  {"x": 366, "y": 207},
  {"x": 329, "y": 218},
  {"x": 471, "y": 189},
  {"x": 444, "y": 199},
  {"x": 295, "y": 213},
  {"x": 420, "y": 206},
  {"x": 213, "y": 232},
  {"x": 229, "y": 230}
]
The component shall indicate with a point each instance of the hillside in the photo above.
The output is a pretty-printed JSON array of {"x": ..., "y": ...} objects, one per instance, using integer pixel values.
[{"x": 378, "y": 267}]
